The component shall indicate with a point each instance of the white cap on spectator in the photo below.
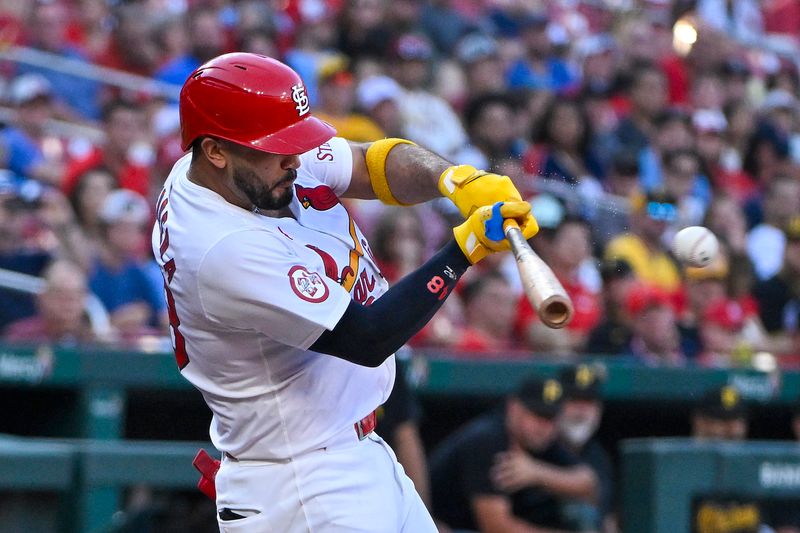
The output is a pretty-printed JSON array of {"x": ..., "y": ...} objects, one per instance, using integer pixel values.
[
  {"x": 548, "y": 210},
  {"x": 123, "y": 205},
  {"x": 709, "y": 120},
  {"x": 475, "y": 47},
  {"x": 592, "y": 45},
  {"x": 166, "y": 121},
  {"x": 28, "y": 87},
  {"x": 779, "y": 99},
  {"x": 376, "y": 89}
]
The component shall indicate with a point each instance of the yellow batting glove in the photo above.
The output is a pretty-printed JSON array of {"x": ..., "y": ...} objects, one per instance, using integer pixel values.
[
  {"x": 469, "y": 188},
  {"x": 482, "y": 233}
]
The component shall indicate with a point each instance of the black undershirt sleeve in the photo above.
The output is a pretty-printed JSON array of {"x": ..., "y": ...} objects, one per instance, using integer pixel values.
[{"x": 368, "y": 335}]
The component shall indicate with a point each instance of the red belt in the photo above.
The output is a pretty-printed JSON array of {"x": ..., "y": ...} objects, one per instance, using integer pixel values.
[{"x": 366, "y": 425}]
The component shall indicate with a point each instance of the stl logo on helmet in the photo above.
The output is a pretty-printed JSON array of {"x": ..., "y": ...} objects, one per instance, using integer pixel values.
[
  {"x": 308, "y": 285},
  {"x": 300, "y": 98}
]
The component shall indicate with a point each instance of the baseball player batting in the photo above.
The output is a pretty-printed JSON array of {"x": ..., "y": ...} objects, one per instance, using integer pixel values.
[{"x": 278, "y": 312}]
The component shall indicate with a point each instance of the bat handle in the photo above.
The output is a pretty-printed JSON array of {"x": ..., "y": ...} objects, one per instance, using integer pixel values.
[{"x": 519, "y": 246}]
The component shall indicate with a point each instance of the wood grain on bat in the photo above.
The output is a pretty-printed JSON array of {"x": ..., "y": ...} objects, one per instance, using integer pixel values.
[{"x": 544, "y": 291}]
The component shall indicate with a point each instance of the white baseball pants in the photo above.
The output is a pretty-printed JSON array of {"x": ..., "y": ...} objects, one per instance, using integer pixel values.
[{"x": 350, "y": 486}]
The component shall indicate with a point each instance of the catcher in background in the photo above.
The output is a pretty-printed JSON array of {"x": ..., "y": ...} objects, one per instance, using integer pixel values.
[{"x": 278, "y": 312}]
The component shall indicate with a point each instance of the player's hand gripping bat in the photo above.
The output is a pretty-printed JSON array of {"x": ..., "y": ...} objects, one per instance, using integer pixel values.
[{"x": 544, "y": 291}]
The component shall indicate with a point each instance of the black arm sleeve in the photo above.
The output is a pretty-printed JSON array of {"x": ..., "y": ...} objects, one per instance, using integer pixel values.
[{"x": 368, "y": 335}]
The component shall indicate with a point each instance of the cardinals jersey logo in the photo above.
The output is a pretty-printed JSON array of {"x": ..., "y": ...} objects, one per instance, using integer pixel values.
[
  {"x": 320, "y": 198},
  {"x": 308, "y": 285}
]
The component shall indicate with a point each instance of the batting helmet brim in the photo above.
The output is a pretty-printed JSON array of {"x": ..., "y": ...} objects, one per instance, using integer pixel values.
[{"x": 298, "y": 138}]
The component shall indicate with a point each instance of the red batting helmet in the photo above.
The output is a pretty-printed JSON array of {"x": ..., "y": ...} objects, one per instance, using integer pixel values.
[{"x": 251, "y": 100}]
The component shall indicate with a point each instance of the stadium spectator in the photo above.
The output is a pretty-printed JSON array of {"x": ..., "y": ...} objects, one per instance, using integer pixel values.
[
  {"x": 741, "y": 118},
  {"x": 133, "y": 45},
  {"x": 60, "y": 318},
  {"x": 492, "y": 126},
  {"x": 488, "y": 335},
  {"x": 779, "y": 296},
  {"x": 568, "y": 253},
  {"x": 207, "y": 39},
  {"x": 610, "y": 215},
  {"x": 766, "y": 241},
  {"x": 720, "y": 414},
  {"x": 87, "y": 196},
  {"x": 656, "y": 340},
  {"x": 647, "y": 94},
  {"x": 723, "y": 335},
  {"x": 47, "y": 24},
  {"x": 337, "y": 99},
  {"x": 36, "y": 226},
  {"x": 399, "y": 247},
  {"x": 479, "y": 56},
  {"x": 725, "y": 218},
  {"x": 613, "y": 334},
  {"x": 562, "y": 147},
  {"x": 673, "y": 132},
  {"x": 577, "y": 426},
  {"x": 540, "y": 67},
  {"x": 363, "y": 31},
  {"x": 741, "y": 18},
  {"x": 119, "y": 275},
  {"x": 506, "y": 470},
  {"x": 125, "y": 153},
  {"x": 767, "y": 155},
  {"x": 642, "y": 246},
  {"x": 90, "y": 28},
  {"x": 598, "y": 59},
  {"x": 427, "y": 118},
  {"x": 23, "y": 144},
  {"x": 378, "y": 97},
  {"x": 682, "y": 181},
  {"x": 702, "y": 287},
  {"x": 399, "y": 243}
]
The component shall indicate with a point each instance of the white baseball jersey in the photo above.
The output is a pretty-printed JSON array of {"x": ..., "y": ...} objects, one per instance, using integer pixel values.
[{"x": 248, "y": 294}]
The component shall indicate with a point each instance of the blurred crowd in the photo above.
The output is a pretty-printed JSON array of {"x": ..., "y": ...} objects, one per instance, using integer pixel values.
[{"x": 622, "y": 121}]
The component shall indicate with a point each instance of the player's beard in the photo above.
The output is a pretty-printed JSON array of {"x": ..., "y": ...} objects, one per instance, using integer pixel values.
[{"x": 261, "y": 196}]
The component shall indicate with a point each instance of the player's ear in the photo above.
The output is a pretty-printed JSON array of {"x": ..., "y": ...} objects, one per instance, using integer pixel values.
[{"x": 215, "y": 152}]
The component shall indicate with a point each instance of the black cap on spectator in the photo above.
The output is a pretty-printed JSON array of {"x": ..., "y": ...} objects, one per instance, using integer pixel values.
[
  {"x": 625, "y": 163},
  {"x": 613, "y": 269},
  {"x": 722, "y": 403},
  {"x": 537, "y": 19},
  {"x": 581, "y": 382},
  {"x": 543, "y": 397},
  {"x": 735, "y": 67}
]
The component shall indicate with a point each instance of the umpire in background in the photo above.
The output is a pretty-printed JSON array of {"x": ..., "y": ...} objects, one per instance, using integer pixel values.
[
  {"x": 578, "y": 424},
  {"x": 507, "y": 471}
]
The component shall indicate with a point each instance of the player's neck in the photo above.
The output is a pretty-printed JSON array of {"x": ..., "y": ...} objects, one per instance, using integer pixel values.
[{"x": 205, "y": 177}]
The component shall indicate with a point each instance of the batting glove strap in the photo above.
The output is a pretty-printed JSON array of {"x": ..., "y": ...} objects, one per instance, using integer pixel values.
[
  {"x": 482, "y": 233},
  {"x": 469, "y": 188}
]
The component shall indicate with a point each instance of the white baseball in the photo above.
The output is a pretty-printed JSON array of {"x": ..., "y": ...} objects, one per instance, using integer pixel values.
[{"x": 696, "y": 246}]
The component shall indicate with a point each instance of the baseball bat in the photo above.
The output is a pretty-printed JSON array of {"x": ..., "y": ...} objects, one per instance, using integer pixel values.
[{"x": 544, "y": 291}]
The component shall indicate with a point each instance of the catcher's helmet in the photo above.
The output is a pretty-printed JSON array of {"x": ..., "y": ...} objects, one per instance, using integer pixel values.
[{"x": 252, "y": 100}]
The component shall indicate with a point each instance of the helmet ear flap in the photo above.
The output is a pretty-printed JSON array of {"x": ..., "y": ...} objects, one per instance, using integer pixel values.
[{"x": 251, "y": 100}]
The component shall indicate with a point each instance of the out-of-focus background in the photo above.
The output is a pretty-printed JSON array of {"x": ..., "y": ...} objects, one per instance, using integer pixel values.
[{"x": 622, "y": 121}]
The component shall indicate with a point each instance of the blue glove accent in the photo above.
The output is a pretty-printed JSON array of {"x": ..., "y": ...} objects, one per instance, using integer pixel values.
[{"x": 494, "y": 226}]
